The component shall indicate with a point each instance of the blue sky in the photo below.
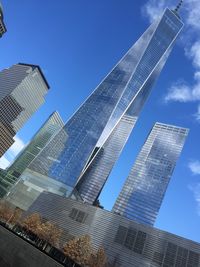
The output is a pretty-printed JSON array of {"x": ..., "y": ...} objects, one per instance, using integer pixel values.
[{"x": 76, "y": 43}]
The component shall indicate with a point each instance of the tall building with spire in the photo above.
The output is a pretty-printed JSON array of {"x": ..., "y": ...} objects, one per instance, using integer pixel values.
[
  {"x": 2, "y": 25},
  {"x": 142, "y": 194},
  {"x": 94, "y": 121},
  {"x": 81, "y": 156},
  {"x": 97, "y": 171},
  {"x": 22, "y": 91}
]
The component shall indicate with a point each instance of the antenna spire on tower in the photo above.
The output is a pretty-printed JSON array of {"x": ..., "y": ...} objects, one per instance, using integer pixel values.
[{"x": 178, "y": 6}]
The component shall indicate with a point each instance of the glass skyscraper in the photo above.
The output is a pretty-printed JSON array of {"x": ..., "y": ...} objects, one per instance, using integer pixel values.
[
  {"x": 144, "y": 189},
  {"x": 94, "y": 177},
  {"x": 97, "y": 171},
  {"x": 22, "y": 91},
  {"x": 12, "y": 181},
  {"x": 66, "y": 159},
  {"x": 2, "y": 25},
  {"x": 51, "y": 126}
]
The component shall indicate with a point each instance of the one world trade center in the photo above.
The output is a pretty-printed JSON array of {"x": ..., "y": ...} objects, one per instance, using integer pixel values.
[{"x": 81, "y": 156}]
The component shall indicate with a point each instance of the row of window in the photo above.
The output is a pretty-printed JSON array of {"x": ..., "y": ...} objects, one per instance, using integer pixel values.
[
  {"x": 131, "y": 239},
  {"x": 176, "y": 256},
  {"x": 173, "y": 256}
]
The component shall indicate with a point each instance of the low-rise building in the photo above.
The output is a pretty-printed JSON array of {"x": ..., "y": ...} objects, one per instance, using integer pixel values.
[{"x": 127, "y": 243}]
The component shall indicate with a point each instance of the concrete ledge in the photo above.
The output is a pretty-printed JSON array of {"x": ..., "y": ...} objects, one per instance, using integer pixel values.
[{"x": 15, "y": 252}]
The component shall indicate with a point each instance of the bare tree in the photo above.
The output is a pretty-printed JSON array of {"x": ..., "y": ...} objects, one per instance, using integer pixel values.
[
  {"x": 6, "y": 212},
  {"x": 16, "y": 216},
  {"x": 32, "y": 223},
  {"x": 98, "y": 258},
  {"x": 79, "y": 249},
  {"x": 50, "y": 233}
]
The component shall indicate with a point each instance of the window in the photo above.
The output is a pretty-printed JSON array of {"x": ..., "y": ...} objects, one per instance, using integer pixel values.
[
  {"x": 181, "y": 259},
  {"x": 78, "y": 215},
  {"x": 170, "y": 255},
  {"x": 121, "y": 234},
  {"x": 193, "y": 260},
  {"x": 140, "y": 241},
  {"x": 158, "y": 258},
  {"x": 130, "y": 238}
]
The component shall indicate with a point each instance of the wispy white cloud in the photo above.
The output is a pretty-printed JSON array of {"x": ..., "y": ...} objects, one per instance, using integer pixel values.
[
  {"x": 194, "y": 166},
  {"x": 193, "y": 13},
  {"x": 193, "y": 53},
  {"x": 191, "y": 8},
  {"x": 180, "y": 91},
  {"x": 197, "y": 114},
  {"x": 153, "y": 9},
  {"x": 12, "y": 152},
  {"x": 17, "y": 146},
  {"x": 196, "y": 192},
  {"x": 4, "y": 163}
]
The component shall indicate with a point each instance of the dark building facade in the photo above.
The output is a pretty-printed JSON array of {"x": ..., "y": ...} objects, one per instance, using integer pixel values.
[
  {"x": 2, "y": 25},
  {"x": 22, "y": 91}
]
